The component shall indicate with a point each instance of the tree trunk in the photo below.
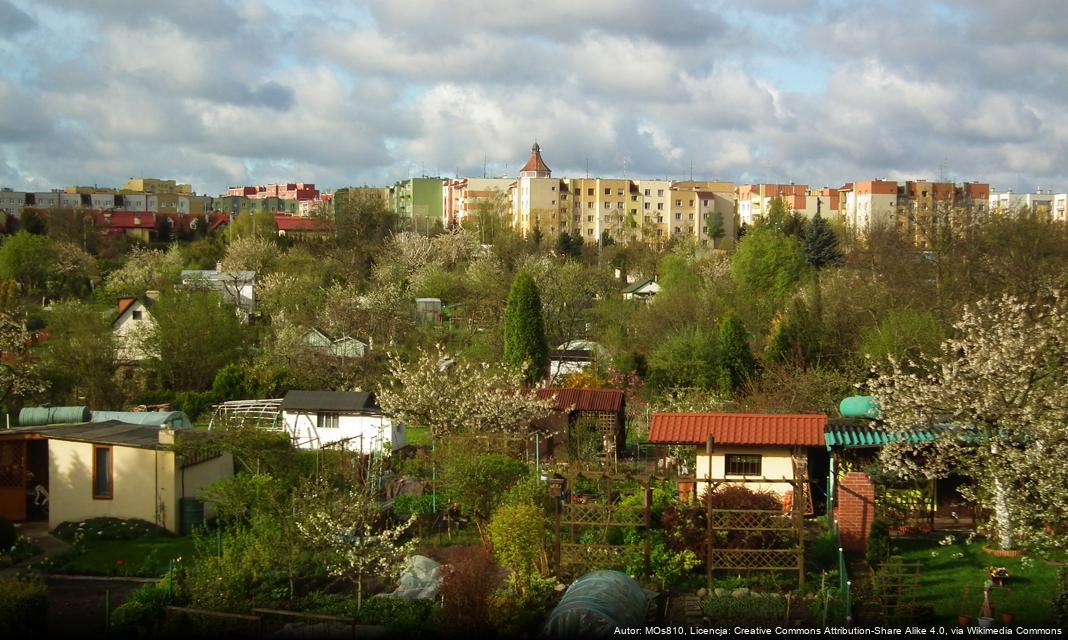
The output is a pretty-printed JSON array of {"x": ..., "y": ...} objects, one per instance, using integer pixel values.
[{"x": 1002, "y": 519}]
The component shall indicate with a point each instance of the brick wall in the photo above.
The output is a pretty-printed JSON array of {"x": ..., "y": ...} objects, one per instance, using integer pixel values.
[{"x": 855, "y": 510}]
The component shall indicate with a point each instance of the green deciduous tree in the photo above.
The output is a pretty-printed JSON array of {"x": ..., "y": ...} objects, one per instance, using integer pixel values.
[
  {"x": 192, "y": 335},
  {"x": 477, "y": 484},
  {"x": 767, "y": 267},
  {"x": 687, "y": 358},
  {"x": 525, "y": 347},
  {"x": 28, "y": 259},
  {"x": 79, "y": 357}
]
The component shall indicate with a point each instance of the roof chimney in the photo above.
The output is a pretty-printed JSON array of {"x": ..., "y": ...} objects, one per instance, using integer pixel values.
[{"x": 152, "y": 295}]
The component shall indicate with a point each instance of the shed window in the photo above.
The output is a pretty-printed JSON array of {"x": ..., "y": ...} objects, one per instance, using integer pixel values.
[
  {"x": 102, "y": 473},
  {"x": 743, "y": 464},
  {"x": 136, "y": 315},
  {"x": 327, "y": 421}
]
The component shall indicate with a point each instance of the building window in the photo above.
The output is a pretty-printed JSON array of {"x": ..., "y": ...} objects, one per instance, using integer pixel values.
[
  {"x": 660, "y": 193},
  {"x": 704, "y": 202},
  {"x": 102, "y": 473},
  {"x": 646, "y": 192},
  {"x": 608, "y": 205},
  {"x": 589, "y": 192},
  {"x": 327, "y": 421},
  {"x": 620, "y": 193},
  {"x": 647, "y": 206},
  {"x": 742, "y": 464},
  {"x": 589, "y": 218},
  {"x": 136, "y": 315},
  {"x": 553, "y": 188},
  {"x": 608, "y": 191},
  {"x": 659, "y": 206},
  {"x": 634, "y": 198},
  {"x": 678, "y": 216},
  {"x": 678, "y": 203},
  {"x": 619, "y": 205},
  {"x": 589, "y": 205},
  {"x": 589, "y": 232},
  {"x": 691, "y": 216}
]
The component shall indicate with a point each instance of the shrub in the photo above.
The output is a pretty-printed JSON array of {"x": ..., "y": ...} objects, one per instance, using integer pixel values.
[
  {"x": 517, "y": 613},
  {"x": 733, "y": 496},
  {"x": 403, "y": 618},
  {"x": 822, "y": 552},
  {"x": 478, "y": 483},
  {"x": 110, "y": 529},
  {"x": 143, "y": 614},
  {"x": 532, "y": 491},
  {"x": 747, "y": 610},
  {"x": 23, "y": 607},
  {"x": 468, "y": 583},
  {"x": 519, "y": 535},
  {"x": 878, "y": 543},
  {"x": 8, "y": 535},
  {"x": 406, "y": 506}
]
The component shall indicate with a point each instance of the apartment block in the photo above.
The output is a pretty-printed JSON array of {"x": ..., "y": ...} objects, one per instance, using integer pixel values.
[
  {"x": 461, "y": 197},
  {"x": 417, "y": 201},
  {"x": 154, "y": 185},
  {"x": 1039, "y": 203},
  {"x": 754, "y": 200}
]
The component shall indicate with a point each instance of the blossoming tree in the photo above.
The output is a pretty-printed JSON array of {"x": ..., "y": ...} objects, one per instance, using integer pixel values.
[
  {"x": 996, "y": 396},
  {"x": 452, "y": 395}
]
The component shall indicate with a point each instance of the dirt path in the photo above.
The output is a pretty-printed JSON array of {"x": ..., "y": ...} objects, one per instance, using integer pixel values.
[{"x": 77, "y": 607}]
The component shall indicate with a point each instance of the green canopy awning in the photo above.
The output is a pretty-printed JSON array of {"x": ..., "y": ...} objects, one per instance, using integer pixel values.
[{"x": 862, "y": 433}]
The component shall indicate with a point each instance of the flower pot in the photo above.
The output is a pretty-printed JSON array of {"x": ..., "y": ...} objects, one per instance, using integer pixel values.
[
  {"x": 1007, "y": 618},
  {"x": 986, "y": 623},
  {"x": 964, "y": 620}
]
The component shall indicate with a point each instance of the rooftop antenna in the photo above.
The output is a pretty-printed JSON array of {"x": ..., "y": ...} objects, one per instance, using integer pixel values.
[
  {"x": 587, "y": 167},
  {"x": 691, "y": 170},
  {"x": 485, "y": 159}
]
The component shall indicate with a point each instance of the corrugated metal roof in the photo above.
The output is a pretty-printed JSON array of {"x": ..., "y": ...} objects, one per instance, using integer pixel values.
[
  {"x": 565, "y": 398},
  {"x": 739, "y": 428},
  {"x": 111, "y": 432},
  {"x": 849, "y": 433},
  {"x": 357, "y": 401}
]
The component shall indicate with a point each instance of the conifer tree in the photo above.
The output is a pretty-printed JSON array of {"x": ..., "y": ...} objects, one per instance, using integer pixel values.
[
  {"x": 525, "y": 347},
  {"x": 821, "y": 244},
  {"x": 736, "y": 360}
]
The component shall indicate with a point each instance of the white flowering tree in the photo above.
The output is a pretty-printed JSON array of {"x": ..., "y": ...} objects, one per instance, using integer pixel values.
[
  {"x": 146, "y": 270},
  {"x": 250, "y": 253},
  {"x": 997, "y": 397},
  {"x": 451, "y": 395},
  {"x": 19, "y": 373},
  {"x": 347, "y": 531}
]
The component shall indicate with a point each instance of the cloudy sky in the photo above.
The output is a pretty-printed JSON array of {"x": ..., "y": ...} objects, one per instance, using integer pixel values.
[{"x": 251, "y": 91}]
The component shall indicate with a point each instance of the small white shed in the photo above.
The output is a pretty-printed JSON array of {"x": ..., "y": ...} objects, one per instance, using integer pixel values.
[{"x": 315, "y": 419}]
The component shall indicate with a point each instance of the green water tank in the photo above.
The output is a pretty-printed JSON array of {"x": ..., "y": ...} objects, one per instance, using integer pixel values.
[
  {"x": 858, "y": 407},
  {"x": 41, "y": 416},
  {"x": 192, "y": 515}
]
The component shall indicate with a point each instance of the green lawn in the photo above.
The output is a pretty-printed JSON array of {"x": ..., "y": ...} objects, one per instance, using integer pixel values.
[
  {"x": 418, "y": 436},
  {"x": 141, "y": 557},
  {"x": 942, "y": 578}
]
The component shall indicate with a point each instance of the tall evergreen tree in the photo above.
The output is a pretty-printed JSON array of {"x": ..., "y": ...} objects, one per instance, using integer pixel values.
[
  {"x": 736, "y": 360},
  {"x": 524, "y": 330},
  {"x": 715, "y": 228},
  {"x": 821, "y": 244}
]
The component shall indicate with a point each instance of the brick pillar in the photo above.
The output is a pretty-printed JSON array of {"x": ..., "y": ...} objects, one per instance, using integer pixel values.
[{"x": 855, "y": 510}]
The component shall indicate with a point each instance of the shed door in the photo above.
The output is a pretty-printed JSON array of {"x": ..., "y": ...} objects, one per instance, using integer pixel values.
[{"x": 13, "y": 480}]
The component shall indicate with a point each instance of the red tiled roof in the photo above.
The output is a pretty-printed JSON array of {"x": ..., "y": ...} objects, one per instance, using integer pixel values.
[
  {"x": 125, "y": 219},
  {"x": 739, "y": 428},
  {"x": 300, "y": 223},
  {"x": 535, "y": 163},
  {"x": 603, "y": 400}
]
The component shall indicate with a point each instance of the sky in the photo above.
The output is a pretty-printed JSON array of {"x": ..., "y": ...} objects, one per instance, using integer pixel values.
[{"x": 820, "y": 92}]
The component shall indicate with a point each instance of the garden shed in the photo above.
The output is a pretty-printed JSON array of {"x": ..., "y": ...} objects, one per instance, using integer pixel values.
[
  {"x": 584, "y": 422},
  {"x": 315, "y": 419},
  {"x": 747, "y": 446},
  {"x": 74, "y": 472}
]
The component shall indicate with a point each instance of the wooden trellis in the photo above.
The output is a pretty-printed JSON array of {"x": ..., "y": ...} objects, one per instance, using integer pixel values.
[
  {"x": 896, "y": 585},
  {"x": 573, "y": 556},
  {"x": 789, "y": 525}
]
